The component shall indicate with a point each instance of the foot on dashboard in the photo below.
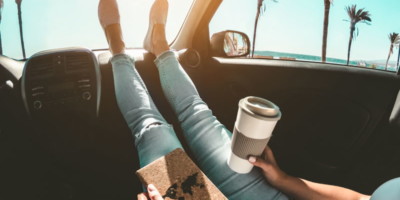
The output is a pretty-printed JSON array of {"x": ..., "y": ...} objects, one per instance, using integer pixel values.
[
  {"x": 155, "y": 41},
  {"x": 110, "y": 22}
]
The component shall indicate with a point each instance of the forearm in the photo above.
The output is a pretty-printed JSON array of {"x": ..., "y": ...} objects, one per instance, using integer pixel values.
[
  {"x": 301, "y": 189},
  {"x": 298, "y": 188}
]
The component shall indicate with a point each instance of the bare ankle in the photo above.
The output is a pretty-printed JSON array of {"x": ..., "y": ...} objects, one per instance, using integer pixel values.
[
  {"x": 115, "y": 39},
  {"x": 159, "y": 40}
]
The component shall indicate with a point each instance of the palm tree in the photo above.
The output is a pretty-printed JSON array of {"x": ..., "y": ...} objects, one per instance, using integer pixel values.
[
  {"x": 1, "y": 11},
  {"x": 355, "y": 16},
  {"x": 398, "y": 46},
  {"x": 392, "y": 37},
  {"x": 18, "y": 2},
  {"x": 327, "y": 4},
  {"x": 260, "y": 11}
]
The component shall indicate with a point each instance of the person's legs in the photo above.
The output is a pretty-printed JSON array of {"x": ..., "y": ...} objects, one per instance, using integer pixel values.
[
  {"x": 153, "y": 136},
  {"x": 207, "y": 138}
]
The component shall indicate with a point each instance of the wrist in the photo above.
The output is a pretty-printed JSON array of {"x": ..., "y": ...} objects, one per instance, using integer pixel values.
[{"x": 280, "y": 179}]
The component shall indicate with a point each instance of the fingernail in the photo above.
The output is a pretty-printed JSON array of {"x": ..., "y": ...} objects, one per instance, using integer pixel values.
[
  {"x": 252, "y": 159},
  {"x": 151, "y": 187}
]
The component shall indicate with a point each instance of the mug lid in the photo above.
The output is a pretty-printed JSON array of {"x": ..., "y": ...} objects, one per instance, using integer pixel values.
[{"x": 260, "y": 106}]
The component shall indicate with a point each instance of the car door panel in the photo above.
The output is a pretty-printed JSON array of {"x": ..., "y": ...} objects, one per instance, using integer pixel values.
[{"x": 332, "y": 114}]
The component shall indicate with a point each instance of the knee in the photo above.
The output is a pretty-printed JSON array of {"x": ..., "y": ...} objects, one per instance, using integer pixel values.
[
  {"x": 193, "y": 108},
  {"x": 153, "y": 124},
  {"x": 141, "y": 119},
  {"x": 155, "y": 133}
]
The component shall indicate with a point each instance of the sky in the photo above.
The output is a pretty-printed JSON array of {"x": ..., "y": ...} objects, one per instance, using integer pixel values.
[
  {"x": 291, "y": 26},
  {"x": 51, "y": 24},
  {"x": 295, "y": 26}
]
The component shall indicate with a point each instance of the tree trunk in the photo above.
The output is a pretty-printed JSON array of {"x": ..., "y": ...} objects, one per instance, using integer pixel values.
[
  {"x": 390, "y": 51},
  {"x": 352, "y": 28},
  {"x": 325, "y": 29},
  {"x": 255, "y": 32},
  {"x": 398, "y": 59},
  {"x": 1, "y": 46},
  {"x": 20, "y": 30}
]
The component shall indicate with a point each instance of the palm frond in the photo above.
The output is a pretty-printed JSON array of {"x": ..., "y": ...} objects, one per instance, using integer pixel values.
[
  {"x": 359, "y": 12},
  {"x": 351, "y": 11},
  {"x": 348, "y": 10},
  {"x": 366, "y": 22},
  {"x": 393, "y": 37},
  {"x": 365, "y": 17},
  {"x": 262, "y": 6},
  {"x": 397, "y": 40},
  {"x": 359, "y": 15},
  {"x": 357, "y": 32}
]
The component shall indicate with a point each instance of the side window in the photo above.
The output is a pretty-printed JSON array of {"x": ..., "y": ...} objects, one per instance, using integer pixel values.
[{"x": 352, "y": 32}]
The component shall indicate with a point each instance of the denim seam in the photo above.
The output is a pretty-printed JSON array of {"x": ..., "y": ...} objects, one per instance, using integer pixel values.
[
  {"x": 122, "y": 57},
  {"x": 164, "y": 57}
]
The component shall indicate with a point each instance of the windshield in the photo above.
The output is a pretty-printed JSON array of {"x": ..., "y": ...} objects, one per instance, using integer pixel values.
[{"x": 49, "y": 24}]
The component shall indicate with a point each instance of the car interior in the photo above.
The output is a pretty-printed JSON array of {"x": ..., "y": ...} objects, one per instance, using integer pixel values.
[{"x": 62, "y": 135}]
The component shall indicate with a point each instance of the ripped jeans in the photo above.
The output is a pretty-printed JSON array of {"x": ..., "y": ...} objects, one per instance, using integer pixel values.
[{"x": 208, "y": 139}]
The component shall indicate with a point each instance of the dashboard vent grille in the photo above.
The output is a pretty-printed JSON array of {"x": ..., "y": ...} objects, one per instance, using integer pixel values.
[
  {"x": 76, "y": 62},
  {"x": 41, "y": 67}
]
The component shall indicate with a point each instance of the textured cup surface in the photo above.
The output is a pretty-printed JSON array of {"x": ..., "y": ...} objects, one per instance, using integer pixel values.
[{"x": 255, "y": 121}]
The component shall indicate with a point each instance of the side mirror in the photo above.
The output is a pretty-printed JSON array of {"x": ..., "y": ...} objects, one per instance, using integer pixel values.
[{"x": 230, "y": 44}]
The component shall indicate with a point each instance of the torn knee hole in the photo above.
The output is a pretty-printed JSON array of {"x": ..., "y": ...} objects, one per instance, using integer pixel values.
[{"x": 153, "y": 124}]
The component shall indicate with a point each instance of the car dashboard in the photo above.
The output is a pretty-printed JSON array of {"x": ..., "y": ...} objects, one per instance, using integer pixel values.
[
  {"x": 58, "y": 109},
  {"x": 67, "y": 79}
]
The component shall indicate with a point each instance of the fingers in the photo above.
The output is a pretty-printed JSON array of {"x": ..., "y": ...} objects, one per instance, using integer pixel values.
[
  {"x": 263, "y": 162},
  {"x": 142, "y": 196},
  {"x": 269, "y": 155},
  {"x": 153, "y": 192},
  {"x": 258, "y": 162},
  {"x": 267, "y": 150}
]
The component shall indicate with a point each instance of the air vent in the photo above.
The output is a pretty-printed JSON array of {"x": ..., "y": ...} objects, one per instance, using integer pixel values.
[
  {"x": 41, "y": 68},
  {"x": 76, "y": 62}
]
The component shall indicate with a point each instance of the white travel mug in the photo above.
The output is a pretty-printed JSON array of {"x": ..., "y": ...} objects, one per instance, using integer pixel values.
[{"x": 255, "y": 121}]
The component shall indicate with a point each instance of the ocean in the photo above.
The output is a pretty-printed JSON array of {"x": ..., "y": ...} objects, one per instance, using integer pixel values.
[{"x": 303, "y": 57}]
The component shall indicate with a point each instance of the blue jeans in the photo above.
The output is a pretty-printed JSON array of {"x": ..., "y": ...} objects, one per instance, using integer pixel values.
[{"x": 208, "y": 139}]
